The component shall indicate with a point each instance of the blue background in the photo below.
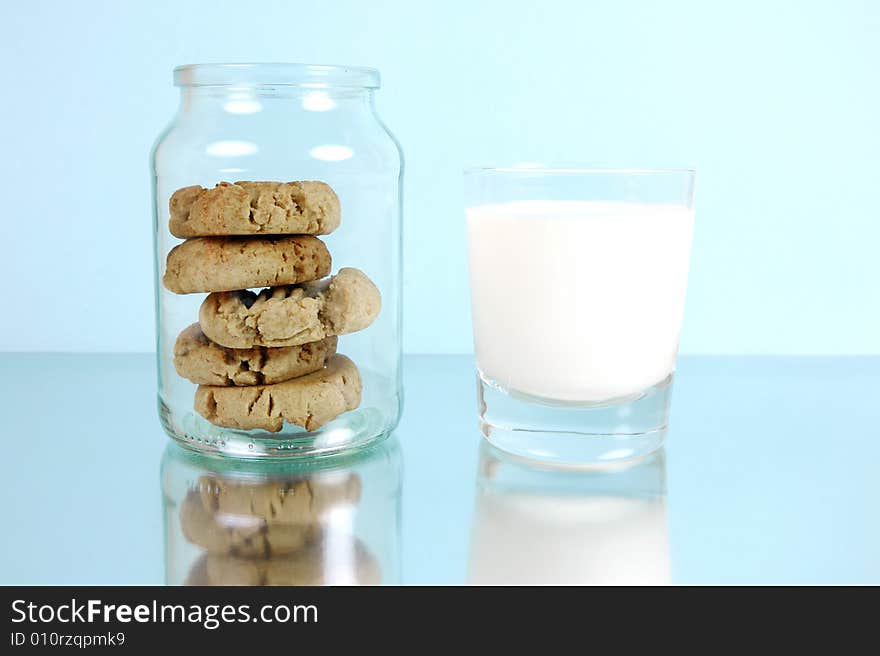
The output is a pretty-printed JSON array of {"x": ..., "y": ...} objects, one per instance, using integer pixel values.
[{"x": 775, "y": 103}]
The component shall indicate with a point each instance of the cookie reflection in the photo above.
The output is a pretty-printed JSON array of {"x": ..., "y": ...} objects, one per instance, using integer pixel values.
[
  {"x": 538, "y": 526},
  {"x": 319, "y": 522}
]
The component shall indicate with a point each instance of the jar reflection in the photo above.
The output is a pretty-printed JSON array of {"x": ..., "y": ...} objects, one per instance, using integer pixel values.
[
  {"x": 541, "y": 526},
  {"x": 320, "y": 522}
]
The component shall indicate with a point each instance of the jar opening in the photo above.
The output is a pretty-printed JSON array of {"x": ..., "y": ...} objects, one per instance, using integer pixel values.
[{"x": 312, "y": 76}]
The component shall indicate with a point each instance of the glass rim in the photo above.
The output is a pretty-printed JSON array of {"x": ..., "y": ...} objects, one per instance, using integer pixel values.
[
  {"x": 575, "y": 170},
  {"x": 320, "y": 76}
]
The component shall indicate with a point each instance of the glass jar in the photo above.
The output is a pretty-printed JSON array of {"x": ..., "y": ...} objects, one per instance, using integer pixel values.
[
  {"x": 255, "y": 375},
  {"x": 311, "y": 521}
]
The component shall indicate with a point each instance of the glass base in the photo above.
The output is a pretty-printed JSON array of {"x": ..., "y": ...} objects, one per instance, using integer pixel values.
[
  {"x": 584, "y": 436},
  {"x": 350, "y": 431}
]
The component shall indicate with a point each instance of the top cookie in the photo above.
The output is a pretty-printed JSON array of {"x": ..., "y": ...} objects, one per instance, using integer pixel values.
[{"x": 254, "y": 208}]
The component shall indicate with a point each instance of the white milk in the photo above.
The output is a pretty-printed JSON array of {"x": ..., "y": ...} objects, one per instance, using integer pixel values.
[{"x": 578, "y": 301}]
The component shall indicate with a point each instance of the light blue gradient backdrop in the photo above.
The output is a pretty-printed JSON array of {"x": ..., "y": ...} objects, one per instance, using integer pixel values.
[{"x": 775, "y": 103}]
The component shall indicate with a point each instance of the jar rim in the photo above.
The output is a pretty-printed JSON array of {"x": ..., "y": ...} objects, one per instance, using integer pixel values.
[{"x": 315, "y": 76}]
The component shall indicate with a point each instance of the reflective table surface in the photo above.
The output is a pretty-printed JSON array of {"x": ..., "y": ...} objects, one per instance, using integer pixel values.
[{"x": 769, "y": 476}]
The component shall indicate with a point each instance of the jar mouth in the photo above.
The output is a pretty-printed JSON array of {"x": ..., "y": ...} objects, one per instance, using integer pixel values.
[{"x": 311, "y": 76}]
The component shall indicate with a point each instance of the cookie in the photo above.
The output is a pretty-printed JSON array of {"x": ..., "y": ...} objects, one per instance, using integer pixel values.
[
  {"x": 314, "y": 565},
  {"x": 203, "y": 362},
  {"x": 198, "y": 574},
  {"x": 254, "y": 208},
  {"x": 218, "y": 264},
  {"x": 300, "y": 501},
  {"x": 291, "y": 315},
  {"x": 248, "y": 536},
  {"x": 309, "y": 401},
  {"x": 322, "y": 564}
]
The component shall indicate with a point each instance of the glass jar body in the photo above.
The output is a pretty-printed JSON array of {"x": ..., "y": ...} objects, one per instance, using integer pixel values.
[{"x": 296, "y": 131}]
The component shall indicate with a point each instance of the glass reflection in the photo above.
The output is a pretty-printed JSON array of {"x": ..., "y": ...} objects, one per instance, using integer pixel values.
[
  {"x": 541, "y": 526},
  {"x": 325, "y": 521}
]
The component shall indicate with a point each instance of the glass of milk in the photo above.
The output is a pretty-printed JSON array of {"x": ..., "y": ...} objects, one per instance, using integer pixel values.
[{"x": 578, "y": 280}]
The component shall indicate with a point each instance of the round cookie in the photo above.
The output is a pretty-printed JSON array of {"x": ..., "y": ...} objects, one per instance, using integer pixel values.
[
  {"x": 217, "y": 264},
  {"x": 203, "y": 362},
  {"x": 287, "y": 501},
  {"x": 309, "y": 401},
  {"x": 244, "y": 535},
  {"x": 254, "y": 208},
  {"x": 293, "y": 315}
]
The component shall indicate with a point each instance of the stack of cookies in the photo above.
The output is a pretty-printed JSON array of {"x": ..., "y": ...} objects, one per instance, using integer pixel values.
[
  {"x": 263, "y": 358},
  {"x": 275, "y": 532}
]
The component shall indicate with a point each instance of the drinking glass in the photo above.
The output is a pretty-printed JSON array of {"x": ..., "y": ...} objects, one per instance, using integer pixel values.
[{"x": 578, "y": 280}]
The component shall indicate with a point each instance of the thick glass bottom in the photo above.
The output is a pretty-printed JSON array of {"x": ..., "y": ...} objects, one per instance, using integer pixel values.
[
  {"x": 589, "y": 436},
  {"x": 351, "y": 431}
]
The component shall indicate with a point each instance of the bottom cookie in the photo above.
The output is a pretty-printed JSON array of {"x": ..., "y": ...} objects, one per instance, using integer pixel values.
[{"x": 309, "y": 401}]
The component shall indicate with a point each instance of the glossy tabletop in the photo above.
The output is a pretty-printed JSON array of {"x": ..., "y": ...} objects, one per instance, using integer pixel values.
[{"x": 769, "y": 476}]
